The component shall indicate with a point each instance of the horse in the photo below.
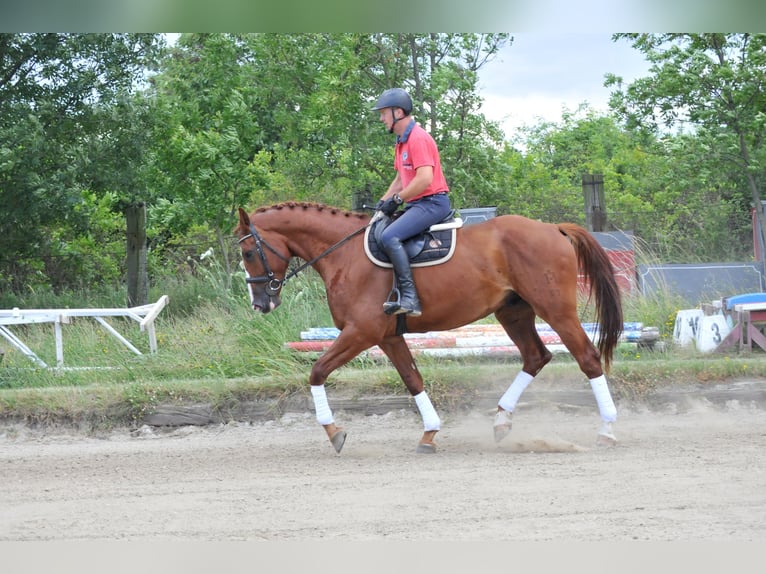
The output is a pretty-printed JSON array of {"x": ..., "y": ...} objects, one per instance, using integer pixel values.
[{"x": 513, "y": 267}]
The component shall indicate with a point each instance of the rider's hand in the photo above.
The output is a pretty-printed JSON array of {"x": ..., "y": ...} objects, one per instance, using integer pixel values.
[{"x": 389, "y": 206}]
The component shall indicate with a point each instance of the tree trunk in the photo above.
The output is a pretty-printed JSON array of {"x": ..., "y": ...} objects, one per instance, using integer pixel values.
[
  {"x": 138, "y": 280},
  {"x": 754, "y": 191}
]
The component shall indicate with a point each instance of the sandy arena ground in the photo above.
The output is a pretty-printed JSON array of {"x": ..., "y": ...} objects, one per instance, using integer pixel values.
[{"x": 692, "y": 474}]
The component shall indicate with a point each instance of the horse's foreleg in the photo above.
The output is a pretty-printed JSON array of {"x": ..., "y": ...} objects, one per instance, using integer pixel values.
[
  {"x": 398, "y": 352},
  {"x": 325, "y": 417},
  {"x": 344, "y": 348}
]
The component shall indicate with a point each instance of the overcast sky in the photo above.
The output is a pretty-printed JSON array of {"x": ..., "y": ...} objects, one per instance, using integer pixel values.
[{"x": 541, "y": 73}]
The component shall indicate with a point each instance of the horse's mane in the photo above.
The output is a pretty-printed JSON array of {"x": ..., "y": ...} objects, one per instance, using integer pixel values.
[{"x": 306, "y": 205}]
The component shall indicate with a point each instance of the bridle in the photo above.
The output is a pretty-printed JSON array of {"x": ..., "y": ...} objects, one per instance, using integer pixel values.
[{"x": 273, "y": 283}]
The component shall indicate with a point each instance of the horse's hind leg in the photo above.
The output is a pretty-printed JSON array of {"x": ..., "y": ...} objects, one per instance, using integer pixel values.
[
  {"x": 396, "y": 349},
  {"x": 518, "y": 320},
  {"x": 575, "y": 339}
]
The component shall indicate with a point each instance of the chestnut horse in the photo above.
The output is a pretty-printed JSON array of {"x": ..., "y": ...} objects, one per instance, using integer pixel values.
[{"x": 514, "y": 267}]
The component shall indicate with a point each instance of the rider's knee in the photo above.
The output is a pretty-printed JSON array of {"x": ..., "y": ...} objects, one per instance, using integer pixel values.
[{"x": 389, "y": 241}]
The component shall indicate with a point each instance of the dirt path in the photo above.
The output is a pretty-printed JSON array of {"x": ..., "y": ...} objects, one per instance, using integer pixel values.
[{"x": 695, "y": 474}]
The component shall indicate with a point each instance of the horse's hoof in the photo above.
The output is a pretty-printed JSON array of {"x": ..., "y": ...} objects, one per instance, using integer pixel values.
[
  {"x": 502, "y": 425},
  {"x": 338, "y": 440},
  {"x": 501, "y": 431},
  {"x": 606, "y": 440},
  {"x": 426, "y": 448},
  {"x": 605, "y": 437}
]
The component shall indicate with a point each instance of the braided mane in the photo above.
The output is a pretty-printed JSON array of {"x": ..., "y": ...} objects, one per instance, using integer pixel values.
[{"x": 306, "y": 205}]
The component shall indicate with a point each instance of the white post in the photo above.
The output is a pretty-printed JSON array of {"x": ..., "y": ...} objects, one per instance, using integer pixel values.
[
  {"x": 59, "y": 342},
  {"x": 148, "y": 322}
]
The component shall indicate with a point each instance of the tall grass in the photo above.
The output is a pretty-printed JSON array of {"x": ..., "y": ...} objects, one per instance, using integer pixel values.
[{"x": 207, "y": 331}]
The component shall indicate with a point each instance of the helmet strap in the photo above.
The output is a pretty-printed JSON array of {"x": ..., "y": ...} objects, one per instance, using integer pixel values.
[{"x": 394, "y": 119}]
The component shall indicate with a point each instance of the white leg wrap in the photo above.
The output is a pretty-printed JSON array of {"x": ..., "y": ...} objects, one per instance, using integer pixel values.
[
  {"x": 604, "y": 399},
  {"x": 511, "y": 397},
  {"x": 431, "y": 420},
  {"x": 324, "y": 414}
]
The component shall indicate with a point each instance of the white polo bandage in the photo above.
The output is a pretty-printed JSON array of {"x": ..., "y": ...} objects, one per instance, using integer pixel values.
[
  {"x": 604, "y": 399},
  {"x": 508, "y": 401},
  {"x": 431, "y": 420},
  {"x": 322, "y": 408}
]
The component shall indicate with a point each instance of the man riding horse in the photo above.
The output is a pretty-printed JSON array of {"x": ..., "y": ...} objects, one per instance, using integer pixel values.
[{"x": 419, "y": 184}]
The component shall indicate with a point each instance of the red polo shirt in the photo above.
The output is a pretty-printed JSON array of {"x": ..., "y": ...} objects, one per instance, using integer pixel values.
[{"x": 414, "y": 149}]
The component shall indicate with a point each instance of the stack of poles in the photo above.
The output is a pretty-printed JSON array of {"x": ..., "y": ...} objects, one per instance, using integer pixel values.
[{"x": 475, "y": 340}]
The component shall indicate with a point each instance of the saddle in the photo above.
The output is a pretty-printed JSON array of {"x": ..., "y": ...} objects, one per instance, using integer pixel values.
[{"x": 432, "y": 247}]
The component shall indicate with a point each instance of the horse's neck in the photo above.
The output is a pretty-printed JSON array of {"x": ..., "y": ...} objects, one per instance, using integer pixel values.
[{"x": 309, "y": 239}]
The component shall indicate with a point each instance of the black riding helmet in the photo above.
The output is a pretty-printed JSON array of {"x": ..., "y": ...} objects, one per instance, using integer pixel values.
[{"x": 395, "y": 98}]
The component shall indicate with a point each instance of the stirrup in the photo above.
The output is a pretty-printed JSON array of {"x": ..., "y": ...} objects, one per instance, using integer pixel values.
[{"x": 391, "y": 307}]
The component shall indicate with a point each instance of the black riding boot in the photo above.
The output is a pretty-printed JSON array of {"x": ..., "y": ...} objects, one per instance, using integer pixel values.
[{"x": 408, "y": 297}]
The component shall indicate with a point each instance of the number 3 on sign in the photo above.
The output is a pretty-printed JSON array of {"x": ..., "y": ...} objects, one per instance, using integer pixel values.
[{"x": 712, "y": 330}]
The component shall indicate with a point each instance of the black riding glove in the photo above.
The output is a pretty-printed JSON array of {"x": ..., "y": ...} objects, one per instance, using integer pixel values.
[{"x": 389, "y": 206}]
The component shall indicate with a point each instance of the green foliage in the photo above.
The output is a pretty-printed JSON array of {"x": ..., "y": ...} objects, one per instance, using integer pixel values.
[
  {"x": 55, "y": 90},
  {"x": 93, "y": 123},
  {"x": 711, "y": 85},
  {"x": 206, "y": 142},
  {"x": 677, "y": 205}
]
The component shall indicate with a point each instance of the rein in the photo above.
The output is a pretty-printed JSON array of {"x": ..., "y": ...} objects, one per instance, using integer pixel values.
[{"x": 274, "y": 284}]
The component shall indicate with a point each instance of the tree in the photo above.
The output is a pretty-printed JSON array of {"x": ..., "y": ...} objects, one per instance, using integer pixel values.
[
  {"x": 680, "y": 208},
  {"x": 206, "y": 146},
  {"x": 712, "y": 83},
  {"x": 557, "y": 157},
  {"x": 54, "y": 89}
]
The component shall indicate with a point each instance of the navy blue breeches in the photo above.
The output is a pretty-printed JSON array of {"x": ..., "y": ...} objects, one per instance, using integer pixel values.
[{"x": 417, "y": 217}]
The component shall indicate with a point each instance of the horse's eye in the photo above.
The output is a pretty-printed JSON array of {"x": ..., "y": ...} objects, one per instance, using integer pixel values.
[{"x": 249, "y": 255}]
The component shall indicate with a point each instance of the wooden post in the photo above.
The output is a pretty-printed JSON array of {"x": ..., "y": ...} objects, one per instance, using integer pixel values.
[
  {"x": 595, "y": 207},
  {"x": 138, "y": 280}
]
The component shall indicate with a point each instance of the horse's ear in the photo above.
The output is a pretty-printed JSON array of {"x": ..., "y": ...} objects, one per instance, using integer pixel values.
[
  {"x": 244, "y": 223},
  {"x": 244, "y": 219}
]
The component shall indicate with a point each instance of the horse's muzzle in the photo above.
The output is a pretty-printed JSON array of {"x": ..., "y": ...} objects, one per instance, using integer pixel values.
[{"x": 267, "y": 305}]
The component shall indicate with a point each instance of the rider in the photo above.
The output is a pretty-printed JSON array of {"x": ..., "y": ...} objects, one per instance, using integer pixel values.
[{"x": 419, "y": 183}]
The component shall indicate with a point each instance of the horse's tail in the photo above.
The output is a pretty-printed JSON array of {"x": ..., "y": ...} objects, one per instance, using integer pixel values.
[{"x": 594, "y": 263}]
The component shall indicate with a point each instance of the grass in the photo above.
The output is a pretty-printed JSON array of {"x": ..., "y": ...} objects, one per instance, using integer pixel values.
[{"x": 214, "y": 349}]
